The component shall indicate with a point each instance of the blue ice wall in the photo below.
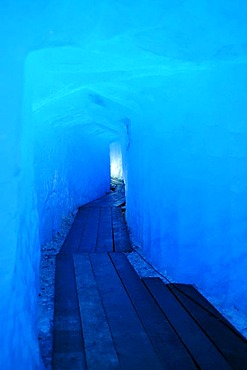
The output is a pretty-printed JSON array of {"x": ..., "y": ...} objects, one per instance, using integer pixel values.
[
  {"x": 190, "y": 215},
  {"x": 186, "y": 166},
  {"x": 19, "y": 246},
  {"x": 66, "y": 165},
  {"x": 164, "y": 79}
]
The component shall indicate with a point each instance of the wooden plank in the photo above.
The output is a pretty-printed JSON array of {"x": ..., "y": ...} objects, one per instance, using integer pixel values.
[
  {"x": 113, "y": 200},
  {"x": 132, "y": 343},
  {"x": 120, "y": 234},
  {"x": 230, "y": 343},
  {"x": 72, "y": 241},
  {"x": 99, "y": 346},
  {"x": 89, "y": 238},
  {"x": 109, "y": 200},
  {"x": 119, "y": 202},
  {"x": 170, "y": 349},
  {"x": 96, "y": 203},
  {"x": 104, "y": 201},
  {"x": 193, "y": 294},
  {"x": 198, "y": 344},
  {"x": 68, "y": 351},
  {"x": 105, "y": 237}
]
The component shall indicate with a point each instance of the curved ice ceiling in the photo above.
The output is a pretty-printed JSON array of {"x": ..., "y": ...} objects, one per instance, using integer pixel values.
[{"x": 95, "y": 58}]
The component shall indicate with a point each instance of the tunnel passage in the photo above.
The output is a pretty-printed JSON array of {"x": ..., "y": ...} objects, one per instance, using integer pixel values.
[
  {"x": 165, "y": 80},
  {"x": 79, "y": 130},
  {"x": 107, "y": 317}
]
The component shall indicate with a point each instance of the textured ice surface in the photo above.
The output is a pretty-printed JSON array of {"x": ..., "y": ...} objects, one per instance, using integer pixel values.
[
  {"x": 164, "y": 79},
  {"x": 191, "y": 163}
]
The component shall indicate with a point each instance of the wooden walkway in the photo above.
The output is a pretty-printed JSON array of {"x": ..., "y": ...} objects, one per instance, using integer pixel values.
[{"x": 106, "y": 317}]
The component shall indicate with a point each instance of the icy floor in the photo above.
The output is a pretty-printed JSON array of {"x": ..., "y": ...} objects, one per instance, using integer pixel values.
[{"x": 47, "y": 282}]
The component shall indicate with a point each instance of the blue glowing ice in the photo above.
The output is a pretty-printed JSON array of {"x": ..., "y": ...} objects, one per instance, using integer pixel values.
[{"x": 164, "y": 80}]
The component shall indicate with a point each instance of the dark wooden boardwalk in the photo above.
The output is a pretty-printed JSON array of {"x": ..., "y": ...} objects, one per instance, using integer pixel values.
[{"x": 106, "y": 317}]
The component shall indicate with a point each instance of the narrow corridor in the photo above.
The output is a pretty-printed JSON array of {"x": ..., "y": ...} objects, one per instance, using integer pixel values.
[{"x": 106, "y": 317}]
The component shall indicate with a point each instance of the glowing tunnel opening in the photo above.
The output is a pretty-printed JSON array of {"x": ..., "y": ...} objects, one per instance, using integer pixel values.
[{"x": 116, "y": 161}]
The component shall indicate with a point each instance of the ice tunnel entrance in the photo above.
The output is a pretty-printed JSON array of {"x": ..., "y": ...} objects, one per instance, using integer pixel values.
[{"x": 116, "y": 162}]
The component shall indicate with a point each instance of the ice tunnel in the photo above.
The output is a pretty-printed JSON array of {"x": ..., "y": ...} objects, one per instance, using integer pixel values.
[{"x": 153, "y": 92}]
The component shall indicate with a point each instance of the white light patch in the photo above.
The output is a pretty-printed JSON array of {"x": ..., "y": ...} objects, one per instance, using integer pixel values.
[{"x": 116, "y": 161}]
